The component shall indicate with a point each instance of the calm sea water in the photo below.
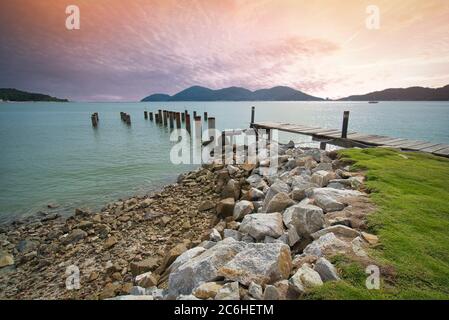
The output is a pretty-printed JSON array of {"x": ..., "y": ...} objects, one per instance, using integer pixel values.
[{"x": 51, "y": 154}]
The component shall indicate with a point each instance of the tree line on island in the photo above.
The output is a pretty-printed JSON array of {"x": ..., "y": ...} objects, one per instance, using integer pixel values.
[
  {"x": 282, "y": 93},
  {"x": 279, "y": 93}
]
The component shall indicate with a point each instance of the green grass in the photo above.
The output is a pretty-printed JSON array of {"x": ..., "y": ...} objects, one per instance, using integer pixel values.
[{"x": 411, "y": 191}]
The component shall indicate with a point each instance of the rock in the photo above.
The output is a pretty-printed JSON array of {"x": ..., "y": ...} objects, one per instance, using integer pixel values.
[
  {"x": 261, "y": 263},
  {"x": 110, "y": 242},
  {"x": 230, "y": 291},
  {"x": 305, "y": 278},
  {"x": 370, "y": 238},
  {"x": 254, "y": 180},
  {"x": 137, "y": 291},
  {"x": 231, "y": 190},
  {"x": 229, "y": 233},
  {"x": 242, "y": 208},
  {"x": 271, "y": 293},
  {"x": 259, "y": 225},
  {"x": 202, "y": 268},
  {"x": 338, "y": 230},
  {"x": 50, "y": 217},
  {"x": 302, "y": 259},
  {"x": 165, "y": 220},
  {"x": 326, "y": 270},
  {"x": 85, "y": 225},
  {"x": 6, "y": 259},
  {"x": 292, "y": 236},
  {"x": 27, "y": 245},
  {"x": 186, "y": 256},
  {"x": 74, "y": 236},
  {"x": 103, "y": 230},
  {"x": 254, "y": 194},
  {"x": 323, "y": 166},
  {"x": 322, "y": 178},
  {"x": 328, "y": 242},
  {"x": 207, "y": 290},
  {"x": 81, "y": 212},
  {"x": 357, "y": 247},
  {"x": 279, "y": 202},
  {"x": 306, "y": 219},
  {"x": 147, "y": 279},
  {"x": 255, "y": 291},
  {"x": 215, "y": 235},
  {"x": 328, "y": 198},
  {"x": 206, "y": 205},
  {"x": 139, "y": 267},
  {"x": 225, "y": 207},
  {"x": 336, "y": 185},
  {"x": 171, "y": 256},
  {"x": 275, "y": 188},
  {"x": 232, "y": 170}
]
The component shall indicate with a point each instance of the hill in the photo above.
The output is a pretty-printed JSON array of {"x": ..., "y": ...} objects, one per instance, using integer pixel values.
[
  {"x": 7, "y": 94},
  {"x": 404, "y": 94}
]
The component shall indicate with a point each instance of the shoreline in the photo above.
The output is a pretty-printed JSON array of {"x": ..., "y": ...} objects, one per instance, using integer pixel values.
[{"x": 145, "y": 236}]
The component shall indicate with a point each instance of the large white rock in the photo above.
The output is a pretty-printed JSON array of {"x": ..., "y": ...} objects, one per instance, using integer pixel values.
[
  {"x": 322, "y": 177},
  {"x": 261, "y": 263},
  {"x": 327, "y": 243},
  {"x": 186, "y": 256},
  {"x": 279, "y": 202},
  {"x": 329, "y": 198},
  {"x": 202, "y": 268},
  {"x": 326, "y": 270},
  {"x": 338, "y": 230},
  {"x": 259, "y": 225},
  {"x": 305, "y": 278},
  {"x": 275, "y": 188},
  {"x": 306, "y": 219},
  {"x": 242, "y": 208}
]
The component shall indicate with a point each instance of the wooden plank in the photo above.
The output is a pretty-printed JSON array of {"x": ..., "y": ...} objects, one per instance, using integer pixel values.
[
  {"x": 329, "y": 132},
  {"x": 398, "y": 142},
  {"x": 407, "y": 143},
  {"x": 434, "y": 148},
  {"x": 417, "y": 146},
  {"x": 427, "y": 145},
  {"x": 443, "y": 152},
  {"x": 392, "y": 140}
]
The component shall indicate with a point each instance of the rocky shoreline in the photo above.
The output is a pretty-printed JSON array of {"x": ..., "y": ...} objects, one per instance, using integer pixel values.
[{"x": 220, "y": 232}]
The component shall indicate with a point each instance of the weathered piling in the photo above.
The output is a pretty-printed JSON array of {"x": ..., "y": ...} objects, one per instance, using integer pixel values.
[
  {"x": 253, "y": 111},
  {"x": 183, "y": 117},
  {"x": 170, "y": 115},
  {"x": 198, "y": 128},
  {"x": 205, "y": 115},
  {"x": 128, "y": 119},
  {"x": 178, "y": 120},
  {"x": 164, "y": 116},
  {"x": 160, "y": 116},
  {"x": 211, "y": 128},
  {"x": 94, "y": 120},
  {"x": 344, "y": 130},
  {"x": 156, "y": 118},
  {"x": 194, "y": 114},
  {"x": 151, "y": 116},
  {"x": 188, "y": 123},
  {"x": 145, "y": 114},
  {"x": 122, "y": 116},
  {"x": 96, "y": 115}
]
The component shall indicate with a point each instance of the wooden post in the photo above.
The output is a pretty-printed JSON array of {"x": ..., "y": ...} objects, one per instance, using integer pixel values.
[
  {"x": 205, "y": 115},
  {"x": 160, "y": 116},
  {"x": 164, "y": 116},
  {"x": 178, "y": 120},
  {"x": 171, "y": 115},
  {"x": 145, "y": 114},
  {"x": 198, "y": 128},
  {"x": 122, "y": 116},
  {"x": 128, "y": 119},
  {"x": 323, "y": 145},
  {"x": 183, "y": 117},
  {"x": 188, "y": 123},
  {"x": 151, "y": 116},
  {"x": 94, "y": 120},
  {"x": 156, "y": 118},
  {"x": 344, "y": 130},
  {"x": 96, "y": 116},
  {"x": 194, "y": 114},
  {"x": 211, "y": 127},
  {"x": 253, "y": 111}
]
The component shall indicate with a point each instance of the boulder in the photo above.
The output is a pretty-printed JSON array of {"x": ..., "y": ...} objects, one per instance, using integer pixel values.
[
  {"x": 370, "y": 238},
  {"x": 279, "y": 202},
  {"x": 206, "y": 205},
  {"x": 186, "y": 256},
  {"x": 6, "y": 259},
  {"x": 254, "y": 194},
  {"x": 75, "y": 236},
  {"x": 328, "y": 198},
  {"x": 326, "y": 270},
  {"x": 171, "y": 256},
  {"x": 229, "y": 233},
  {"x": 207, "y": 290},
  {"x": 338, "y": 230},
  {"x": 271, "y": 293},
  {"x": 255, "y": 291},
  {"x": 327, "y": 243},
  {"x": 230, "y": 291},
  {"x": 231, "y": 190},
  {"x": 305, "y": 278},
  {"x": 215, "y": 235},
  {"x": 306, "y": 219},
  {"x": 202, "y": 268},
  {"x": 225, "y": 207},
  {"x": 275, "y": 188},
  {"x": 139, "y": 267},
  {"x": 147, "y": 279},
  {"x": 323, "y": 166},
  {"x": 261, "y": 263},
  {"x": 259, "y": 225},
  {"x": 322, "y": 178},
  {"x": 242, "y": 208}
]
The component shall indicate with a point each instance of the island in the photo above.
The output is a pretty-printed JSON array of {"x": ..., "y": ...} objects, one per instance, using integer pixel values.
[{"x": 8, "y": 94}]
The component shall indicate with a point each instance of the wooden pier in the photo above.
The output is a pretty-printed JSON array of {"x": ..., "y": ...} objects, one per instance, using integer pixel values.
[{"x": 355, "y": 139}]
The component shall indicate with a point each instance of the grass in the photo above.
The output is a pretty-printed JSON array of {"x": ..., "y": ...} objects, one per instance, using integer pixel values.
[{"x": 411, "y": 191}]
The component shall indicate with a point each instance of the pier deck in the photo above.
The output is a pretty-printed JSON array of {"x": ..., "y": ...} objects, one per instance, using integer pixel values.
[{"x": 322, "y": 134}]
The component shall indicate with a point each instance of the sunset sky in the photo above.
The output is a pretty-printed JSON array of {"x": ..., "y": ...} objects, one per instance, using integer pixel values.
[{"x": 126, "y": 50}]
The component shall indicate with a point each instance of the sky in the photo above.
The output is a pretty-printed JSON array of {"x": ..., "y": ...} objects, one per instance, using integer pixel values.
[{"x": 126, "y": 50}]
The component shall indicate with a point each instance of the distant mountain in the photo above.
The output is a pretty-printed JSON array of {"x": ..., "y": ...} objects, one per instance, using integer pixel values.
[
  {"x": 197, "y": 93},
  {"x": 17, "y": 95},
  {"x": 404, "y": 94}
]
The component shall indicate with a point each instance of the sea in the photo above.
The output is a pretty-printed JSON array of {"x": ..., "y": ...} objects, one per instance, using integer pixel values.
[{"x": 51, "y": 154}]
